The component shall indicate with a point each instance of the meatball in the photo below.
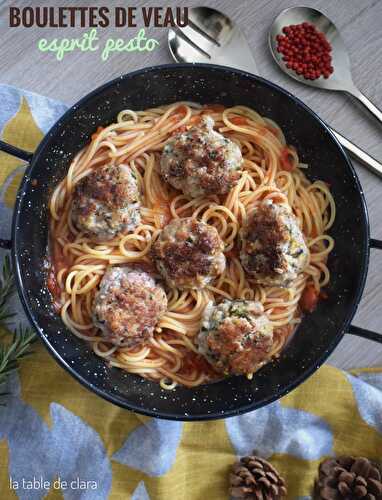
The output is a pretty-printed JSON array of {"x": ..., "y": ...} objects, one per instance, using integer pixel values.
[
  {"x": 106, "y": 203},
  {"x": 236, "y": 337},
  {"x": 128, "y": 306},
  {"x": 201, "y": 161},
  {"x": 273, "y": 249},
  {"x": 189, "y": 254}
]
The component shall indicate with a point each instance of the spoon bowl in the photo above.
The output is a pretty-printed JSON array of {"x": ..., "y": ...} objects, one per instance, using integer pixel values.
[{"x": 341, "y": 78}]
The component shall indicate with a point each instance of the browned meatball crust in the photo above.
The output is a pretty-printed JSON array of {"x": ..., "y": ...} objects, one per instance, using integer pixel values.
[
  {"x": 201, "y": 161},
  {"x": 236, "y": 337},
  {"x": 128, "y": 306},
  {"x": 106, "y": 202},
  {"x": 273, "y": 249},
  {"x": 189, "y": 253}
]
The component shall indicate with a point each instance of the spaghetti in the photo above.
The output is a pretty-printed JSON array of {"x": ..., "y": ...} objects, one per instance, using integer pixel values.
[{"x": 271, "y": 170}]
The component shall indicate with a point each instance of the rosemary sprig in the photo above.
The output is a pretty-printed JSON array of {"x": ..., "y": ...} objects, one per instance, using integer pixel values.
[
  {"x": 22, "y": 337},
  {"x": 7, "y": 289}
]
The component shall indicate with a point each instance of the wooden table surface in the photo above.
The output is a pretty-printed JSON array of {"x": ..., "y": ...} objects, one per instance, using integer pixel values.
[{"x": 21, "y": 64}]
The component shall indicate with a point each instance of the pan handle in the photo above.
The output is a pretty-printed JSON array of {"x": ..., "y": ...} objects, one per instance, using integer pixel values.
[
  {"x": 361, "y": 332},
  {"x": 366, "y": 334},
  {"x": 23, "y": 155},
  {"x": 14, "y": 151}
]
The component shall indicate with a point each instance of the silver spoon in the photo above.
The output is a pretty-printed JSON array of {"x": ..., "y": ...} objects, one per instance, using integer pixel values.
[
  {"x": 212, "y": 37},
  {"x": 341, "y": 78}
]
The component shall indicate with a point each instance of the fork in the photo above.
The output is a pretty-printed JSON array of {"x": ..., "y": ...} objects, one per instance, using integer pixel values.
[{"x": 212, "y": 37}]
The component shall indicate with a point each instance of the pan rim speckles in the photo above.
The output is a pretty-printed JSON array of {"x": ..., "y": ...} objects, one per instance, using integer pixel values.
[{"x": 182, "y": 409}]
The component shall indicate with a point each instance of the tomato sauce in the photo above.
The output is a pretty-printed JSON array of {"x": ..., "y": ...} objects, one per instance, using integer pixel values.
[
  {"x": 272, "y": 130},
  {"x": 233, "y": 253},
  {"x": 96, "y": 133},
  {"x": 56, "y": 262},
  {"x": 163, "y": 210},
  {"x": 239, "y": 120},
  {"x": 52, "y": 284},
  {"x": 214, "y": 108},
  {"x": 309, "y": 298},
  {"x": 179, "y": 130},
  {"x": 286, "y": 159},
  {"x": 193, "y": 361}
]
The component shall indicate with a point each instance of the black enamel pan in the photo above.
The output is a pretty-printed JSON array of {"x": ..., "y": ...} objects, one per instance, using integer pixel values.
[{"x": 319, "y": 332}]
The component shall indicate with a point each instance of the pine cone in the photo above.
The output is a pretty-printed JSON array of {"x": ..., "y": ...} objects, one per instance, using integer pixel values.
[
  {"x": 253, "y": 478},
  {"x": 348, "y": 478}
]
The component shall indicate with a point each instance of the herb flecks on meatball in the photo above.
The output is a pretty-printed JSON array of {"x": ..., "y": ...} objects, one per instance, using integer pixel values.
[
  {"x": 106, "y": 203},
  {"x": 128, "y": 306},
  {"x": 201, "y": 162},
  {"x": 236, "y": 337},
  {"x": 273, "y": 249},
  {"x": 189, "y": 253}
]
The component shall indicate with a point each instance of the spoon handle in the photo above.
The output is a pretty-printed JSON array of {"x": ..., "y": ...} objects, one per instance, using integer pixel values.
[
  {"x": 372, "y": 108},
  {"x": 359, "y": 154}
]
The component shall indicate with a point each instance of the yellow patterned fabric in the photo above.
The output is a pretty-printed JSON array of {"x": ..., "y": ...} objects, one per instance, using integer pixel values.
[{"x": 54, "y": 430}]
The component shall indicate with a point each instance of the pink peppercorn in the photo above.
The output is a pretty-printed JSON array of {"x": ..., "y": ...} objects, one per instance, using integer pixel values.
[{"x": 305, "y": 50}]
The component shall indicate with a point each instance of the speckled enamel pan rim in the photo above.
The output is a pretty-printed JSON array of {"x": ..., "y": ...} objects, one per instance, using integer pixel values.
[{"x": 365, "y": 251}]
